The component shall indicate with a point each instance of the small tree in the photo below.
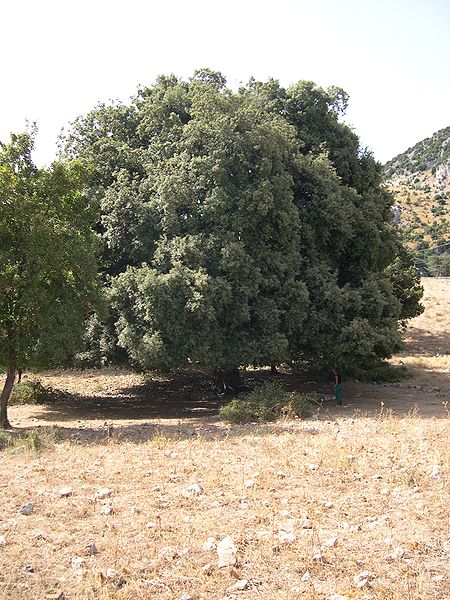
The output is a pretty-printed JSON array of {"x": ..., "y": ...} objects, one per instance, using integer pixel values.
[{"x": 47, "y": 261}]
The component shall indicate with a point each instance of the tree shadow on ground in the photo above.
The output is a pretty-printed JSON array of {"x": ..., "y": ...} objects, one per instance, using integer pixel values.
[
  {"x": 424, "y": 343},
  {"x": 185, "y": 406}
]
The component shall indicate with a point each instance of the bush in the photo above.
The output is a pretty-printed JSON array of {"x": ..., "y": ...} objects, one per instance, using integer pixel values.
[
  {"x": 267, "y": 403},
  {"x": 381, "y": 372},
  {"x": 5, "y": 440},
  {"x": 33, "y": 392}
]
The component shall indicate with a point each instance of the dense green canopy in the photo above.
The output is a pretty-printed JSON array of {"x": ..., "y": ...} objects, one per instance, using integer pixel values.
[
  {"x": 48, "y": 267},
  {"x": 242, "y": 227}
]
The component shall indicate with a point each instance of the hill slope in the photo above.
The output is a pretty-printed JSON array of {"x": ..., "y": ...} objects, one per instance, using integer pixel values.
[{"x": 420, "y": 180}]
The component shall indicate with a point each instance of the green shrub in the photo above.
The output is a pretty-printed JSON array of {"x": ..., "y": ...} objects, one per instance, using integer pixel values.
[
  {"x": 33, "y": 392},
  {"x": 267, "y": 403},
  {"x": 5, "y": 440},
  {"x": 301, "y": 406},
  {"x": 381, "y": 372}
]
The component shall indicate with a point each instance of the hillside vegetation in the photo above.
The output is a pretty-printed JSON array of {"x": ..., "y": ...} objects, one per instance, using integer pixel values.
[{"x": 420, "y": 180}]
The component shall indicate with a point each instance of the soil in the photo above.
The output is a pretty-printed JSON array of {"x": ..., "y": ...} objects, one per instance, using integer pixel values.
[{"x": 99, "y": 401}]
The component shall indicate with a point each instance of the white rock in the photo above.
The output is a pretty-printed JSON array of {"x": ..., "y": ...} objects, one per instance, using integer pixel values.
[
  {"x": 226, "y": 551},
  {"x": 337, "y": 597},
  {"x": 328, "y": 505},
  {"x": 195, "y": 489},
  {"x": 240, "y": 585},
  {"x": 210, "y": 544},
  {"x": 435, "y": 472},
  {"x": 107, "y": 509},
  {"x": 280, "y": 475},
  {"x": 151, "y": 525},
  {"x": 313, "y": 466},
  {"x": 111, "y": 573},
  {"x": 306, "y": 576},
  {"x": 251, "y": 484},
  {"x": 168, "y": 553},
  {"x": 397, "y": 553},
  {"x": 186, "y": 597},
  {"x": 344, "y": 525},
  {"x": 102, "y": 493},
  {"x": 361, "y": 579},
  {"x": 135, "y": 510},
  {"x": 2, "y": 540},
  {"x": 330, "y": 542},
  {"x": 77, "y": 562},
  {"x": 377, "y": 476},
  {"x": 286, "y": 537},
  {"x": 91, "y": 549},
  {"x": 27, "y": 509},
  {"x": 65, "y": 492}
]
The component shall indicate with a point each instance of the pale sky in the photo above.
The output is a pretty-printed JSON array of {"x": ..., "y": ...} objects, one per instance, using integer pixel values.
[{"x": 59, "y": 58}]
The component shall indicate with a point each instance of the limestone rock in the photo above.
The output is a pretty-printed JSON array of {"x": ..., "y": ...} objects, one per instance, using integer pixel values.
[
  {"x": 226, "y": 551},
  {"x": 27, "y": 509}
]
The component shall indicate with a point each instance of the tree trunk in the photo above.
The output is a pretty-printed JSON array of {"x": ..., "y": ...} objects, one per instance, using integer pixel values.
[
  {"x": 273, "y": 369},
  {"x": 228, "y": 381},
  {"x": 6, "y": 392}
]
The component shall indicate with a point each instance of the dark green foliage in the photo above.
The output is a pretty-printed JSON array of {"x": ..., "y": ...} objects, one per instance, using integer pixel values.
[
  {"x": 241, "y": 228},
  {"x": 33, "y": 392},
  {"x": 5, "y": 440},
  {"x": 379, "y": 372},
  {"x": 48, "y": 267},
  {"x": 267, "y": 402},
  {"x": 439, "y": 264}
]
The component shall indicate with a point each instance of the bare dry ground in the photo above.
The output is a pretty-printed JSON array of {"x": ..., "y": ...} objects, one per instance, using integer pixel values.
[{"x": 351, "y": 504}]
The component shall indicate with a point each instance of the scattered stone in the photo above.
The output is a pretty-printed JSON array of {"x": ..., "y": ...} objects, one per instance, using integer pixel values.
[
  {"x": 91, "y": 549},
  {"x": 102, "y": 493},
  {"x": 436, "y": 473},
  {"x": 107, "y": 509},
  {"x": 397, "y": 553},
  {"x": 251, "y": 484},
  {"x": 55, "y": 596},
  {"x": 195, "y": 489},
  {"x": 28, "y": 569},
  {"x": 168, "y": 553},
  {"x": 65, "y": 492},
  {"x": 210, "y": 544},
  {"x": 226, "y": 551},
  {"x": 330, "y": 542},
  {"x": 286, "y": 537},
  {"x": 111, "y": 573},
  {"x": 361, "y": 579},
  {"x": 208, "y": 568},
  {"x": 239, "y": 586},
  {"x": 27, "y": 509},
  {"x": 77, "y": 562}
]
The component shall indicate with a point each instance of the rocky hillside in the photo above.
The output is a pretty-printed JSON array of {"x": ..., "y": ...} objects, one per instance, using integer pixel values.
[{"x": 420, "y": 180}]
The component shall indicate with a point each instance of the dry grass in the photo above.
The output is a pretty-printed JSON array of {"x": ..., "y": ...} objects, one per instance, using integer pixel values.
[{"x": 332, "y": 497}]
